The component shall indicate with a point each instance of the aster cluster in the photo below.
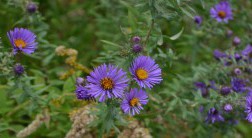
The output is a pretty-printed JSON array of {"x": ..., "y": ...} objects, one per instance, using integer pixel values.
[
  {"x": 234, "y": 90},
  {"x": 109, "y": 82},
  {"x": 23, "y": 41}
]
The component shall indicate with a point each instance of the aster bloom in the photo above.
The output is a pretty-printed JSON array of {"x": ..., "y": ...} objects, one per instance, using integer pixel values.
[
  {"x": 145, "y": 72},
  {"x": 31, "y": 7},
  {"x": 203, "y": 88},
  {"x": 136, "y": 39},
  {"x": 137, "y": 48},
  {"x": 247, "y": 52},
  {"x": 238, "y": 71},
  {"x": 22, "y": 40},
  {"x": 225, "y": 90},
  {"x": 133, "y": 101},
  {"x": 219, "y": 55},
  {"x": 238, "y": 85},
  {"x": 79, "y": 81},
  {"x": 228, "y": 107},
  {"x": 198, "y": 20},
  {"x": 214, "y": 116},
  {"x": 236, "y": 41},
  {"x": 222, "y": 12},
  {"x": 237, "y": 56},
  {"x": 18, "y": 69},
  {"x": 248, "y": 109},
  {"x": 82, "y": 93},
  {"x": 107, "y": 81}
]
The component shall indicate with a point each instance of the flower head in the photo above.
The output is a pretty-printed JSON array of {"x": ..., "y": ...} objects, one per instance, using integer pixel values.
[
  {"x": 229, "y": 33},
  {"x": 22, "y": 40},
  {"x": 137, "y": 48},
  {"x": 203, "y": 88},
  {"x": 225, "y": 90},
  {"x": 133, "y": 101},
  {"x": 107, "y": 81},
  {"x": 236, "y": 41},
  {"x": 237, "y": 71},
  {"x": 79, "y": 81},
  {"x": 18, "y": 69},
  {"x": 136, "y": 39},
  {"x": 238, "y": 85},
  {"x": 214, "y": 116},
  {"x": 228, "y": 107},
  {"x": 82, "y": 93},
  {"x": 248, "y": 109},
  {"x": 222, "y": 12},
  {"x": 145, "y": 72},
  {"x": 247, "y": 52},
  {"x": 219, "y": 55},
  {"x": 31, "y": 7},
  {"x": 198, "y": 20}
]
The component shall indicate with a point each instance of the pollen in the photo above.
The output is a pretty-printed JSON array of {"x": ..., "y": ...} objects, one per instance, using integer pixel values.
[
  {"x": 222, "y": 14},
  {"x": 141, "y": 74},
  {"x": 134, "y": 102},
  {"x": 107, "y": 83},
  {"x": 20, "y": 43}
]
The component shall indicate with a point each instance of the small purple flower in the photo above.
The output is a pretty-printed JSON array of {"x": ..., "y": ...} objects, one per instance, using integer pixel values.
[
  {"x": 137, "y": 48},
  {"x": 238, "y": 85},
  {"x": 198, "y": 20},
  {"x": 214, "y": 116},
  {"x": 219, "y": 55},
  {"x": 107, "y": 81},
  {"x": 22, "y": 40},
  {"x": 203, "y": 88},
  {"x": 222, "y": 12},
  {"x": 82, "y": 93},
  {"x": 31, "y": 7},
  {"x": 201, "y": 109},
  {"x": 229, "y": 33},
  {"x": 133, "y": 101},
  {"x": 228, "y": 107},
  {"x": 136, "y": 39},
  {"x": 248, "y": 109},
  {"x": 237, "y": 57},
  {"x": 18, "y": 69},
  {"x": 238, "y": 71},
  {"x": 236, "y": 41},
  {"x": 79, "y": 81},
  {"x": 225, "y": 90},
  {"x": 247, "y": 52},
  {"x": 145, "y": 72}
]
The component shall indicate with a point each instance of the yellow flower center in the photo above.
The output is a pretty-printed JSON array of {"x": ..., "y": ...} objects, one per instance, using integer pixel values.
[
  {"x": 107, "y": 83},
  {"x": 134, "y": 102},
  {"x": 141, "y": 74},
  {"x": 20, "y": 43},
  {"x": 222, "y": 14}
]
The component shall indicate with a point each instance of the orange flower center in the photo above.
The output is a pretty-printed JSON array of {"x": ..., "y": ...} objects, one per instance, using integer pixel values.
[
  {"x": 222, "y": 14},
  {"x": 20, "y": 43},
  {"x": 107, "y": 83},
  {"x": 141, "y": 74},
  {"x": 134, "y": 102}
]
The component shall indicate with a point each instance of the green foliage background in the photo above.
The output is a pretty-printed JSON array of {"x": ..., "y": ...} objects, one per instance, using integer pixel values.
[{"x": 101, "y": 30}]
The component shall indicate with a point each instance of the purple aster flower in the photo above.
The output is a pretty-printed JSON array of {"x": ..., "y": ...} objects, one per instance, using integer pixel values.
[
  {"x": 198, "y": 20},
  {"x": 137, "y": 48},
  {"x": 228, "y": 107},
  {"x": 237, "y": 56},
  {"x": 238, "y": 85},
  {"x": 222, "y": 12},
  {"x": 247, "y": 52},
  {"x": 203, "y": 88},
  {"x": 82, "y": 93},
  {"x": 31, "y": 7},
  {"x": 225, "y": 90},
  {"x": 22, "y": 40},
  {"x": 136, "y": 39},
  {"x": 219, "y": 55},
  {"x": 133, "y": 101},
  {"x": 145, "y": 72},
  {"x": 107, "y": 81},
  {"x": 214, "y": 116},
  {"x": 79, "y": 81},
  {"x": 18, "y": 69},
  {"x": 248, "y": 109},
  {"x": 229, "y": 33},
  {"x": 238, "y": 71},
  {"x": 236, "y": 41}
]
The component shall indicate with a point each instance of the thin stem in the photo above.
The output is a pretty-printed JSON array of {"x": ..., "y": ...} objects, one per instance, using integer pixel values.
[{"x": 149, "y": 32}]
